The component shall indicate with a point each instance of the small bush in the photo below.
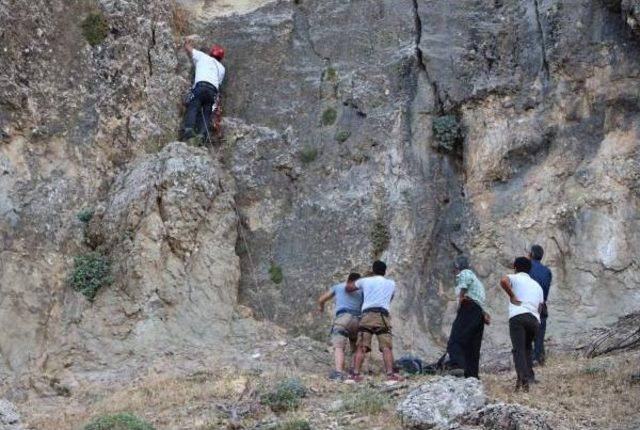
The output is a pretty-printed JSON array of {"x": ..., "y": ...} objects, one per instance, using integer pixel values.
[
  {"x": 308, "y": 154},
  {"x": 329, "y": 116},
  {"x": 124, "y": 421},
  {"x": 91, "y": 272},
  {"x": 342, "y": 135},
  {"x": 85, "y": 215},
  {"x": 380, "y": 238},
  {"x": 294, "y": 425},
  {"x": 365, "y": 402},
  {"x": 592, "y": 371},
  {"x": 275, "y": 274},
  {"x": 95, "y": 28},
  {"x": 447, "y": 131},
  {"x": 331, "y": 74},
  {"x": 286, "y": 396}
]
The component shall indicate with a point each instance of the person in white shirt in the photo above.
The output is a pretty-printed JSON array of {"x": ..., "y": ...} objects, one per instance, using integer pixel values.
[
  {"x": 525, "y": 299},
  {"x": 206, "y": 86},
  {"x": 377, "y": 292}
]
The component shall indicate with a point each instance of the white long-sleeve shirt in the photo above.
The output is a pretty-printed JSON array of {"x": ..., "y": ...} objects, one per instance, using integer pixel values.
[{"x": 208, "y": 69}]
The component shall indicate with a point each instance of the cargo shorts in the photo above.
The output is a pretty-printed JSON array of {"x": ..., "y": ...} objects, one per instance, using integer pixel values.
[
  {"x": 378, "y": 324},
  {"x": 345, "y": 329}
]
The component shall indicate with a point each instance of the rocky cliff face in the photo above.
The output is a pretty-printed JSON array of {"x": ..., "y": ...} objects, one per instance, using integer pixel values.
[{"x": 405, "y": 130}]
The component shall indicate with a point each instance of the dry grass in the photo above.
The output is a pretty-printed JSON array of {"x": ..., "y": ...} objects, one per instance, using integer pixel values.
[
  {"x": 180, "y": 20},
  {"x": 591, "y": 393},
  {"x": 582, "y": 393}
]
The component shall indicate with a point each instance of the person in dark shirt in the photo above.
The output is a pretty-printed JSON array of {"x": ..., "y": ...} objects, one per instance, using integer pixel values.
[{"x": 542, "y": 275}]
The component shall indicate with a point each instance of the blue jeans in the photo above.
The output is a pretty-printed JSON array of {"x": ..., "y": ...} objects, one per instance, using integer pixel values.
[
  {"x": 198, "y": 118},
  {"x": 538, "y": 349}
]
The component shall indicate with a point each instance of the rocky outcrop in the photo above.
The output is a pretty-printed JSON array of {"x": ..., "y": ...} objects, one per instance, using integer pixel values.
[
  {"x": 9, "y": 418},
  {"x": 440, "y": 402},
  {"x": 405, "y": 130},
  {"x": 501, "y": 416}
]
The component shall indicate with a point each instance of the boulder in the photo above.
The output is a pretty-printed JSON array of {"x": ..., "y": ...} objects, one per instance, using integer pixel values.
[
  {"x": 502, "y": 416},
  {"x": 439, "y": 402},
  {"x": 9, "y": 418}
]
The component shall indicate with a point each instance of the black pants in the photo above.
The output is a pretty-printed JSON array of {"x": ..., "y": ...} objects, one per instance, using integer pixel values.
[
  {"x": 523, "y": 329},
  {"x": 198, "y": 118},
  {"x": 466, "y": 338},
  {"x": 538, "y": 348}
]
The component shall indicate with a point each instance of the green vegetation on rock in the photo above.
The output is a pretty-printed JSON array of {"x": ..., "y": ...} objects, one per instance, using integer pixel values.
[
  {"x": 380, "y": 238},
  {"x": 91, "y": 271},
  {"x": 342, "y": 135},
  {"x": 329, "y": 116},
  {"x": 331, "y": 74},
  {"x": 95, "y": 28},
  {"x": 275, "y": 274},
  {"x": 308, "y": 154},
  {"x": 447, "y": 131},
  {"x": 85, "y": 215},
  {"x": 286, "y": 395},
  {"x": 123, "y": 421}
]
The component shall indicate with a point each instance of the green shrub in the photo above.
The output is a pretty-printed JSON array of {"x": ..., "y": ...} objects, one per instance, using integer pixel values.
[
  {"x": 95, "y": 28},
  {"x": 286, "y": 396},
  {"x": 123, "y": 421},
  {"x": 308, "y": 154},
  {"x": 365, "y": 402},
  {"x": 275, "y": 274},
  {"x": 85, "y": 215},
  {"x": 591, "y": 370},
  {"x": 447, "y": 131},
  {"x": 331, "y": 74},
  {"x": 294, "y": 424},
  {"x": 342, "y": 135},
  {"x": 91, "y": 272},
  {"x": 329, "y": 116},
  {"x": 380, "y": 237}
]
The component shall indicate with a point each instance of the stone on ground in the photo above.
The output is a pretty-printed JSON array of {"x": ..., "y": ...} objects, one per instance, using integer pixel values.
[
  {"x": 502, "y": 416},
  {"x": 439, "y": 402}
]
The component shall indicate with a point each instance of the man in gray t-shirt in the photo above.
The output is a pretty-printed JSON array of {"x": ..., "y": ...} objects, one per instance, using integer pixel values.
[{"x": 345, "y": 324}]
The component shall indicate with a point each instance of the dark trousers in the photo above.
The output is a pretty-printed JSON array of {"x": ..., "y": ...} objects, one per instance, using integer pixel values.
[
  {"x": 466, "y": 338},
  {"x": 523, "y": 329},
  {"x": 538, "y": 343},
  {"x": 198, "y": 118}
]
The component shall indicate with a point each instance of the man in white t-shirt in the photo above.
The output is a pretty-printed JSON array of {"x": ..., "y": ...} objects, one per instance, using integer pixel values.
[
  {"x": 206, "y": 86},
  {"x": 525, "y": 299},
  {"x": 377, "y": 292}
]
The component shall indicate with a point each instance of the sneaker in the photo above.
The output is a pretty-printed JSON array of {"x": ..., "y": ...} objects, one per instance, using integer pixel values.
[
  {"x": 395, "y": 377},
  {"x": 336, "y": 376},
  {"x": 356, "y": 377}
]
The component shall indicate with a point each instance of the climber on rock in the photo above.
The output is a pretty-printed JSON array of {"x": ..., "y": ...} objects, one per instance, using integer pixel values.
[
  {"x": 209, "y": 74},
  {"x": 468, "y": 327},
  {"x": 377, "y": 292},
  {"x": 345, "y": 324}
]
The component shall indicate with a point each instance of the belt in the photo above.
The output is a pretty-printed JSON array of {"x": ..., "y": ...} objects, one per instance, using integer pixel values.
[
  {"x": 207, "y": 84},
  {"x": 382, "y": 311},
  {"x": 348, "y": 311}
]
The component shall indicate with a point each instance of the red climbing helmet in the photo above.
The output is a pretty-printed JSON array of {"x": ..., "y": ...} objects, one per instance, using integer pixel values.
[{"x": 217, "y": 52}]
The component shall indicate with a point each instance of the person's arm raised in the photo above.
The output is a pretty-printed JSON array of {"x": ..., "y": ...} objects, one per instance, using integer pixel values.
[
  {"x": 188, "y": 47},
  {"x": 324, "y": 299},
  {"x": 505, "y": 283}
]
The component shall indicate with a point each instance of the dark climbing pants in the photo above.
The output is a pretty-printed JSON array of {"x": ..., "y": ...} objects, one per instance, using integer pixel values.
[
  {"x": 523, "y": 329},
  {"x": 198, "y": 119},
  {"x": 538, "y": 343},
  {"x": 466, "y": 338}
]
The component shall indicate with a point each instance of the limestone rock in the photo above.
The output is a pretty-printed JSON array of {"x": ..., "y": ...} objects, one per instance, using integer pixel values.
[
  {"x": 9, "y": 418},
  {"x": 439, "y": 402},
  {"x": 501, "y": 416}
]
